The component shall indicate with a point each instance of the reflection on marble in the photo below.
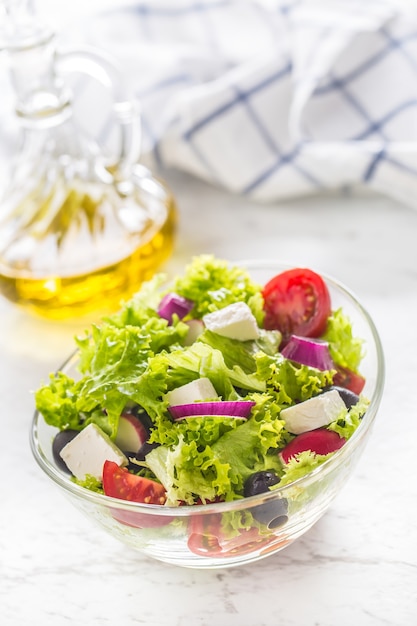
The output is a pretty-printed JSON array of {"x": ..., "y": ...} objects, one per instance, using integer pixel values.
[{"x": 358, "y": 565}]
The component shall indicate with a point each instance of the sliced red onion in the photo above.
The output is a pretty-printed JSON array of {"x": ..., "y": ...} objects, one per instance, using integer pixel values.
[
  {"x": 172, "y": 304},
  {"x": 307, "y": 351},
  {"x": 239, "y": 409}
]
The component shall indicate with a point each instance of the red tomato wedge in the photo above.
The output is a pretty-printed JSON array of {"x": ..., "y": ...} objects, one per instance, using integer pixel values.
[
  {"x": 348, "y": 379},
  {"x": 206, "y": 538},
  {"x": 118, "y": 482},
  {"x": 297, "y": 302}
]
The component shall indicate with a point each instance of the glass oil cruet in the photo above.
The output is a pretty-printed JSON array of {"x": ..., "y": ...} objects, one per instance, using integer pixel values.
[{"x": 79, "y": 231}]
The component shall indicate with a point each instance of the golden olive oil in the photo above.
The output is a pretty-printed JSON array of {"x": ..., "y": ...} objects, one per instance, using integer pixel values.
[{"x": 98, "y": 291}]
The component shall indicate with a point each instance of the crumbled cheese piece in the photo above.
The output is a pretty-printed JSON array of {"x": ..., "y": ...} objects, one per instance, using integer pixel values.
[
  {"x": 313, "y": 413},
  {"x": 235, "y": 321},
  {"x": 88, "y": 451},
  {"x": 198, "y": 390}
]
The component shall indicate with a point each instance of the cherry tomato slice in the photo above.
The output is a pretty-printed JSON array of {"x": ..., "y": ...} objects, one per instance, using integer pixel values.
[
  {"x": 118, "y": 482},
  {"x": 206, "y": 538},
  {"x": 297, "y": 302},
  {"x": 348, "y": 379}
]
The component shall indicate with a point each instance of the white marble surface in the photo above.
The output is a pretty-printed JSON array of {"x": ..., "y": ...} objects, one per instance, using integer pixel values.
[{"x": 358, "y": 565}]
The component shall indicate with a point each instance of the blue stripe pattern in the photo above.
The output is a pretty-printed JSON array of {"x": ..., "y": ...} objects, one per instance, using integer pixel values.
[
  {"x": 366, "y": 65},
  {"x": 351, "y": 113},
  {"x": 237, "y": 99}
]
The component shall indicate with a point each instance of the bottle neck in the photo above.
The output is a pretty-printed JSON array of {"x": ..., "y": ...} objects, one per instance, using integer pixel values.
[{"x": 41, "y": 98}]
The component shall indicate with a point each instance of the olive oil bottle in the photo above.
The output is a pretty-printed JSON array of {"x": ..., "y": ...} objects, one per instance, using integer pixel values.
[{"x": 79, "y": 231}]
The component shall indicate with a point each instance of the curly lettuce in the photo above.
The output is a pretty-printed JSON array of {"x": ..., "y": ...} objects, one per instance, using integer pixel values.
[
  {"x": 191, "y": 472},
  {"x": 213, "y": 284},
  {"x": 135, "y": 357},
  {"x": 345, "y": 349}
]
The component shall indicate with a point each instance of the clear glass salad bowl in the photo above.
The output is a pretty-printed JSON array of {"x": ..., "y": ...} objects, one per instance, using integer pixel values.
[{"x": 191, "y": 536}]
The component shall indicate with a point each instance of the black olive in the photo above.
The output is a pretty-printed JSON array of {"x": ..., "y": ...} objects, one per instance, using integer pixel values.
[
  {"x": 272, "y": 513},
  {"x": 139, "y": 455},
  {"x": 350, "y": 398},
  {"x": 143, "y": 416},
  {"x": 260, "y": 482},
  {"x": 60, "y": 441}
]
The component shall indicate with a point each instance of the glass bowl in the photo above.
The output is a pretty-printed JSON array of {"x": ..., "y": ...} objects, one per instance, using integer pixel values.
[{"x": 192, "y": 536}]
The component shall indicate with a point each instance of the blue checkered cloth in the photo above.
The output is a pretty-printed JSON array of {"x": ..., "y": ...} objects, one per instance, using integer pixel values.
[{"x": 274, "y": 98}]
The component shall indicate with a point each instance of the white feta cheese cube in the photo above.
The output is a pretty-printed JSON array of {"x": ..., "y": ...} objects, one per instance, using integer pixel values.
[
  {"x": 235, "y": 321},
  {"x": 198, "y": 390},
  {"x": 88, "y": 451},
  {"x": 313, "y": 413}
]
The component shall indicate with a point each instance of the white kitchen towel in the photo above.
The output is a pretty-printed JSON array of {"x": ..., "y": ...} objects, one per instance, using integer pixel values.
[{"x": 273, "y": 98}]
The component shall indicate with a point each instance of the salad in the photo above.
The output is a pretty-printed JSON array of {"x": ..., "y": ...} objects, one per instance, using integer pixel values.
[{"x": 210, "y": 388}]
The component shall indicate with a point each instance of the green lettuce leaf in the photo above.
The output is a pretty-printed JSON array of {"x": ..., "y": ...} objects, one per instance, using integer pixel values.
[
  {"x": 307, "y": 461},
  {"x": 201, "y": 360},
  {"x": 207, "y": 458},
  {"x": 142, "y": 306},
  {"x": 213, "y": 284},
  {"x": 65, "y": 403},
  {"x": 345, "y": 349},
  {"x": 192, "y": 470},
  {"x": 243, "y": 352},
  {"x": 57, "y": 402},
  {"x": 90, "y": 482},
  {"x": 188, "y": 472},
  {"x": 289, "y": 382},
  {"x": 300, "y": 466},
  {"x": 346, "y": 425},
  {"x": 246, "y": 450},
  {"x": 136, "y": 357},
  {"x": 115, "y": 371},
  {"x": 204, "y": 430}
]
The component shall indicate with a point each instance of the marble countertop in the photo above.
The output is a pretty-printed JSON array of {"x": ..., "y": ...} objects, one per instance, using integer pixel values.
[{"x": 357, "y": 565}]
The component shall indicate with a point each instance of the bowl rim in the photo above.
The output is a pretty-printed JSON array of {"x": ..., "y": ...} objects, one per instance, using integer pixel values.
[{"x": 63, "y": 480}]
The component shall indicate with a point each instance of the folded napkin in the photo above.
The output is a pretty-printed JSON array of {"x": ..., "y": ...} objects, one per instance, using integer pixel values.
[{"x": 273, "y": 98}]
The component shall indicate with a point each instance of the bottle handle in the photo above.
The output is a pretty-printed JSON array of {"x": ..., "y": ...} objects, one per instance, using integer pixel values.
[{"x": 101, "y": 67}]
